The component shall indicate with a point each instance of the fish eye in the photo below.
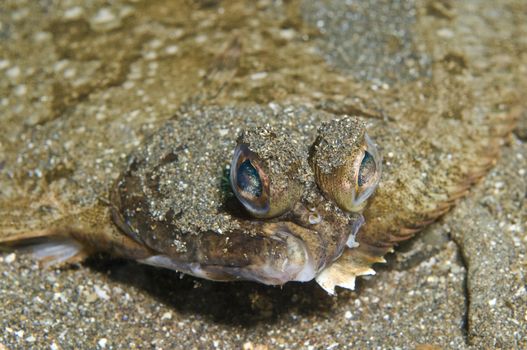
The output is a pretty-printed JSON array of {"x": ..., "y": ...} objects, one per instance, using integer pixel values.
[
  {"x": 249, "y": 181},
  {"x": 265, "y": 172},
  {"x": 368, "y": 173},
  {"x": 346, "y": 163},
  {"x": 366, "y": 169}
]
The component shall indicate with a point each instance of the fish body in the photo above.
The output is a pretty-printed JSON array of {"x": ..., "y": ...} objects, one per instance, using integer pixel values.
[{"x": 435, "y": 87}]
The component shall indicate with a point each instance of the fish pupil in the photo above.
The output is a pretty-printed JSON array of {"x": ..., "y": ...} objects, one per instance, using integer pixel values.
[
  {"x": 249, "y": 180},
  {"x": 367, "y": 169}
]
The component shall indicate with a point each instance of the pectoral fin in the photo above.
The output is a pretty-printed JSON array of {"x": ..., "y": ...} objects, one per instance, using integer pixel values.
[{"x": 343, "y": 272}]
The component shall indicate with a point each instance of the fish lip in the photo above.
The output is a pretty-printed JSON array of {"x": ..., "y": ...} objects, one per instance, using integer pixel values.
[{"x": 297, "y": 265}]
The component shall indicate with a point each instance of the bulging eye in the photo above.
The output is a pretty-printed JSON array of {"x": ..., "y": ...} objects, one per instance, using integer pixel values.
[
  {"x": 346, "y": 163},
  {"x": 368, "y": 173},
  {"x": 366, "y": 169},
  {"x": 249, "y": 181},
  {"x": 266, "y": 172}
]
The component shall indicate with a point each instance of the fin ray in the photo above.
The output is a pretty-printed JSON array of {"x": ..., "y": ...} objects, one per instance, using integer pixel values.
[
  {"x": 344, "y": 271},
  {"x": 56, "y": 251}
]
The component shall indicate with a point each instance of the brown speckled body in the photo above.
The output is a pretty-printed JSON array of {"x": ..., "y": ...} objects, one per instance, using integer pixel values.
[{"x": 437, "y": 99}]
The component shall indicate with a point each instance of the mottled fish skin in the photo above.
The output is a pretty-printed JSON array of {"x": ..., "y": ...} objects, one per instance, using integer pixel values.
[{"x": 438, "y": 123}]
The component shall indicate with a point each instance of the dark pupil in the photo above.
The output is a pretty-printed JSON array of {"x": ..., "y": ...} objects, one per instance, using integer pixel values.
[
  {"x": 367, "y": 169},
  {"x": 249, "y": 179}
]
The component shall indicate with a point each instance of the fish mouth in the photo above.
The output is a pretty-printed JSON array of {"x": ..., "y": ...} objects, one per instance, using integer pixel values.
[
  {"x": 298, "y": 264},
  {"x": 280, "y": 257},
  {"x": 282, "y": 252},
  {"x": 299, "y": 252}
]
